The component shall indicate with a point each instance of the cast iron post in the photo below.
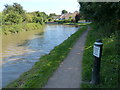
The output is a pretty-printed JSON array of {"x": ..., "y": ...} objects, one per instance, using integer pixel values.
[{"x": 97, "y": 52}]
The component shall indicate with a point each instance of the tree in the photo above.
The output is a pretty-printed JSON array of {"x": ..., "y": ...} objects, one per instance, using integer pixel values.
[
  {"x": 18, "y": 8},
  {"x": 52, "y": 14},
  {"x": 13, "y": 18},
  {"x": 105, "y": 15},
  {"x": 0, "y": 18},
  {"x": 102, "y": 12},
  {"x": 64, "y": 12},
  {"x": 77, "y": 18},
  {"x": 10, "y": 11},
  {"x": 14, "y": 14},
  {"x": 29, "y": 17},
  {"x": 39, "y": 17}
]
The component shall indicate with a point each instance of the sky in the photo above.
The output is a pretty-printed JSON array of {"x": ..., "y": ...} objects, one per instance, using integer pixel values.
[{"x": 48, "y": 6}]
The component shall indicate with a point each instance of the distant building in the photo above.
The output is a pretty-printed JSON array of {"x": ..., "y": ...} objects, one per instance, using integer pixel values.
[
  {"x": 68, "y": 15},
  {"x": 57, "y": 17},
  {"x": 65, "y": 16}
]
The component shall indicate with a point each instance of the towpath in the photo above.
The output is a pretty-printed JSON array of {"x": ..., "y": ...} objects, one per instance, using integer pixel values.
[{"x": 68, "y": 75}]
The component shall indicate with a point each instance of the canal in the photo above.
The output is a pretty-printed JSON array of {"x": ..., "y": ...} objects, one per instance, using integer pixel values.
[{"x": 20, "y": 51}]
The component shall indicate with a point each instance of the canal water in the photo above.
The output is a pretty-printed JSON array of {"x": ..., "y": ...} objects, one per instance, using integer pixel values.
[{"x": 20, "y": 51}]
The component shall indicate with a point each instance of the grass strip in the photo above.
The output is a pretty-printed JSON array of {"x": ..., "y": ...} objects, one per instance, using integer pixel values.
[
  {"x": 39, "y": 74},
  {"x": 77, "y": 24},
  {"x": 109, "y": 62}
]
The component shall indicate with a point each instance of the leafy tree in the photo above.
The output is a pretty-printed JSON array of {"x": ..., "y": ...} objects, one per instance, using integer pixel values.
[
  {"x": 11, "y": 10},
  {"x": 29, "y": 17},
  {"x": 18, "y": 8},
  {"x": 52, "y": 14},
  {"x": 8, "y": 9},
  {"x": 0, "y": 18},
  {"x": 64, "y": 11},
  {"x": 14, "y": 14},
  {"x": 39, "y": 17},
  {"x": 50, "y": 17},
  {"x": 38, "y": 20},
  {"x": 13, "y": 18},
  {"x": 105, "y": 15},
  {"x": 77, "y": 18},
  {"x": 43, "y": 15},
  {"x": 101, "y": 12}
]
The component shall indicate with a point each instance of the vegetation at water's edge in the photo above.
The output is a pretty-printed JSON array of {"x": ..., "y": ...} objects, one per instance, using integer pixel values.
[
  {"x": 38, "y": 76},
  {"x": 77, "y": 24},
  {"x": 9, "y": 29},
  {"x": 109, "y": 63}
]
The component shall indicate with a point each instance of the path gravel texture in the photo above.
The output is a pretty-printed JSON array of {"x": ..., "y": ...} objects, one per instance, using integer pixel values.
[{"x": 68, "y": 75}]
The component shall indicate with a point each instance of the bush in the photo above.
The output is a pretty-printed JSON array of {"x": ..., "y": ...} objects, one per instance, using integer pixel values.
[{"x": 13, "y": 18}]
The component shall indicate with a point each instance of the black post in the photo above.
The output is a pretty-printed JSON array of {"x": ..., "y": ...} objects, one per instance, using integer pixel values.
[{"x": 97, "y": 52}]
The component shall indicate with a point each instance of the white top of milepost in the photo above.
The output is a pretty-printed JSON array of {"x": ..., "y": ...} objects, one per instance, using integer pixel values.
[{"x": 98, "y": 43}]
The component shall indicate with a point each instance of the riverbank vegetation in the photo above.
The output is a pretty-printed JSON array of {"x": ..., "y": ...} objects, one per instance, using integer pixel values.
[
  {"x": 9, "y": 29},
  {"x": 38, "y": 76},
  {"x": 77, "y": 24},
  {"x": 106, "y": 26},
  {"x": 15, "y": 19}
]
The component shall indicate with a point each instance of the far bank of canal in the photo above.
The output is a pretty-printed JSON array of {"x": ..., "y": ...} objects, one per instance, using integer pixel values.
[{"x": 22, "y": 50}]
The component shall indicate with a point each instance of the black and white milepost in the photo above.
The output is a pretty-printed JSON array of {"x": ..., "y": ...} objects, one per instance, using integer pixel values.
[{"x": 97, "y": 52}]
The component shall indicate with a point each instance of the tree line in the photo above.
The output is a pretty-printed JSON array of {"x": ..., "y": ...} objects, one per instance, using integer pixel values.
[
  {"x": 15, "y": 14},
  {"x": 105, "y": 14},
  {"x": 106, "y": 19}
]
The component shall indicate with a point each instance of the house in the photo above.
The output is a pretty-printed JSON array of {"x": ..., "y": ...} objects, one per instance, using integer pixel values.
[
  {"x": 57, "y": 17},
  {"x": 65, "y": 16},
  {"x": 68, "y": 15}
]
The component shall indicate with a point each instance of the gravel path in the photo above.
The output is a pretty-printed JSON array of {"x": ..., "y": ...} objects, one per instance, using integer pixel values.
[{"x": 68, "y": 75}]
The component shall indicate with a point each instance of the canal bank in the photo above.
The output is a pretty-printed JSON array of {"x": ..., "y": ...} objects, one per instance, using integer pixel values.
[
  {"x": 12, "y": 29},
  {"x": 38, "y": 76}
]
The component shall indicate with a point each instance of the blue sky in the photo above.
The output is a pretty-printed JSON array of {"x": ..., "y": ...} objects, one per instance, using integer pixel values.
[{"x": 48, "y": 6}]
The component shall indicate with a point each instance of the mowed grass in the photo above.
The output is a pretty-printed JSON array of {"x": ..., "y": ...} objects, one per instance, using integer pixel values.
[
  {"x": 110, "y": 62},
  {"x": 38, "y": 76}
]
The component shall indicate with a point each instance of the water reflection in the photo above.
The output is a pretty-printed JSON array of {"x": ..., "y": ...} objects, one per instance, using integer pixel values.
[{"x": 21, "y": 51}]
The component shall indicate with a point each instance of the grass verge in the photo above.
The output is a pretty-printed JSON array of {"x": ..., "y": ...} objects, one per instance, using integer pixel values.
[
  {"x": 38, "y": 76},
  {"x": 8, "y": 29},
  {"x": 109, "y": 62},
  {"x": 77, "y": 24}
]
